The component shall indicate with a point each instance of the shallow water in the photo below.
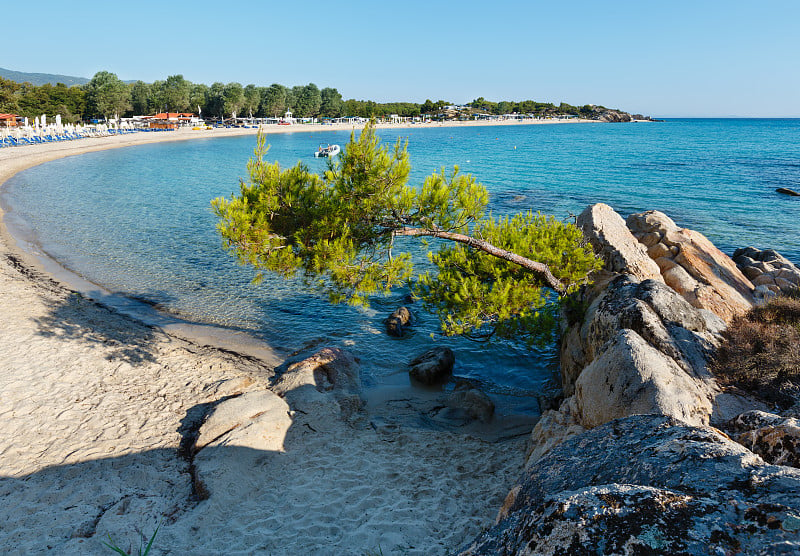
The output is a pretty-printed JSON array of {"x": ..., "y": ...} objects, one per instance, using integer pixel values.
[{"x": 138, "y": 220}]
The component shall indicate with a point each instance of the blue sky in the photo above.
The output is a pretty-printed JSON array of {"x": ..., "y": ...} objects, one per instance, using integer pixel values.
[{"x": 678, "y": 58}]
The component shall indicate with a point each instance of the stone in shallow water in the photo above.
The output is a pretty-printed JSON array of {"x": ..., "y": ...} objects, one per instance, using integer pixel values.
[{"x": 433, "y": 367}]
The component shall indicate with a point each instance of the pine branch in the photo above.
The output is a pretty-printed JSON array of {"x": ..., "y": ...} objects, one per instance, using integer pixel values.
[{"x": 539, "y": 268}]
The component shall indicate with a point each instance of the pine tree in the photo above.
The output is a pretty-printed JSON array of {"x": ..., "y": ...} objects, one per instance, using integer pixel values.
[{"x": 347, "y": 231}]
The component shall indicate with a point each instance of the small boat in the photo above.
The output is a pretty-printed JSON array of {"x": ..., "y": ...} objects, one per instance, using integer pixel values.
[{"x": 327, "y": 151}]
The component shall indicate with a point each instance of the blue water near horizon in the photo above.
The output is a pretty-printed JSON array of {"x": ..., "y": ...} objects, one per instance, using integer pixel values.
[{"x": 138, "y": 220}]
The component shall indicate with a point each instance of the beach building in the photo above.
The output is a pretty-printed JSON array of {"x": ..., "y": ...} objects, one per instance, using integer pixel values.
[
  {"x": 10, "y": 120},
  {"x": 168, "y": 120}
]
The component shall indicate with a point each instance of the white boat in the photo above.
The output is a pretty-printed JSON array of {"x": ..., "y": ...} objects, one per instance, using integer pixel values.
[{"x": 327, "y": 151}]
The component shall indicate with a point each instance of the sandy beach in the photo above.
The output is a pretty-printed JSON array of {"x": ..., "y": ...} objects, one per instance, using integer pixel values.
[{"x": 97, "y": 409}]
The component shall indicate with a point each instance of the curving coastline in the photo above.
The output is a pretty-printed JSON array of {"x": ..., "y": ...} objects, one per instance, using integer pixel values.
[{"x": 100, "y": 412}]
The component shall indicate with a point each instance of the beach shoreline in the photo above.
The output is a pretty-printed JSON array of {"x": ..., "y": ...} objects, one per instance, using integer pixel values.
[{"x": 97, "y": 405}]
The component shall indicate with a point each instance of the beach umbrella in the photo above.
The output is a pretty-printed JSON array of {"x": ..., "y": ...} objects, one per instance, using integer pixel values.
[
  {"x": 44, "y": 120},
  {"x": 36, "y": 123}
]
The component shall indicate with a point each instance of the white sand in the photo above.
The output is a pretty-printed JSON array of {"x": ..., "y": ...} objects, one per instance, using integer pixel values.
[{"x": 91, "y": 411}]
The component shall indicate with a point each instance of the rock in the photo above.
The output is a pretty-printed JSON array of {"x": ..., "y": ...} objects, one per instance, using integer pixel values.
[
  {"x": 658, "y": 250},
  {"x": 648, "y": 485},
  {"x": 470, "y": 401},
  {"x": 785, "y": 285},
  {"x": 433, "y": 367},
  {"x": 767, "y": 268},
  {"x": 658, "y": 314},
  {"x": 257, "y": 420},
  {"x": 787, "y": 191},
  {"x": 324, "y": 386},
  {"x": 774, "y": 438},
  {"x": 553, "y": 428},
  {"x": 679, "y": 280},
  {"x": 764, "y": 293},
  {"x": 397, "y": 321},
  {"x": 612, "y": 240},
  {"x": 613, "y": 116},
  {"x": 631, "y": 377},
  {"x": 655, "y": 312},
  {"x": 234, "y": 437},
  {"x": 718, "y": 286}
]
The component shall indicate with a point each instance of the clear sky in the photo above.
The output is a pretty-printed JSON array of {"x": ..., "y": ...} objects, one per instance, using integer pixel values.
[{"x": 660, "y": 58}]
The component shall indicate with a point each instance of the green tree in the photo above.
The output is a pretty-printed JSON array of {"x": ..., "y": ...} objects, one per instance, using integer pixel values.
[
  {"x": 140, "y": 93},
  {"x": 344, "y": 231},
  {"x": 106, "y": 95},
  {"x": 331, "y": 103},
  {"x": 310, "y": 99},
  {"x": 176, "y": 92},
  {"x": 233, "y": 98},
  {"x": 252, "y": 99},
  {"x": 215, "y": 100},
  {"x": 197, "y": 98},
  {"x": 273, "y": 100}
]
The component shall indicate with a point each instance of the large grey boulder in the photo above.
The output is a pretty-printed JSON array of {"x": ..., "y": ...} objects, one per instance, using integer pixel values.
[
  {"x": 648, "y": 485},
  {"x": 613, "y": 241},
  {"x": 656, "y": 313},
  {"x": 631, "y": 377}
]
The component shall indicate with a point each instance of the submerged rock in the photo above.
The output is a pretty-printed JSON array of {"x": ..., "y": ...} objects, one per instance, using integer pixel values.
[
  {"x": 467, "y": 399},
  {"x": 398, "y": 321},
  {"x": 433, "y": 367}
]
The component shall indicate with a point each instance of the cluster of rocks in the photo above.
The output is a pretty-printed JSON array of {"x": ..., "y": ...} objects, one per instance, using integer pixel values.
[
  {"x": 770, "y": 272},
  {"x": 631, "y": 462}
]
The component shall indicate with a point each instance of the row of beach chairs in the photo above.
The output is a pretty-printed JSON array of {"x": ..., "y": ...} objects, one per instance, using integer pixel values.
[{"x": 66, "y": 136}]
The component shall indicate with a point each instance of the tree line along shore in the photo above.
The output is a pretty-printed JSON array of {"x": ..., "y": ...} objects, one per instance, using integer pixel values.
[{"x": 106, "y": 96}]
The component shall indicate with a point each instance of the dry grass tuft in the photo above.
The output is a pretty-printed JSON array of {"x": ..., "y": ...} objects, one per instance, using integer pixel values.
[{"x": 761, "y": 352}]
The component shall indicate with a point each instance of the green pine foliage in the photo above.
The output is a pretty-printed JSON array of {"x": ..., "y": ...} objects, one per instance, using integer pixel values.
[{"x": 349, "y": 230}]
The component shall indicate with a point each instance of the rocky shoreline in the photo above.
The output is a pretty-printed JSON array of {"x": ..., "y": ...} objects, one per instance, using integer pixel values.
[{"x": 647, "y": 453}]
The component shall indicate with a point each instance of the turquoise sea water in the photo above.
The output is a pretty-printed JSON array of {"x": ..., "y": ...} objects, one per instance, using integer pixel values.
[{"x": 138, "y": 220}]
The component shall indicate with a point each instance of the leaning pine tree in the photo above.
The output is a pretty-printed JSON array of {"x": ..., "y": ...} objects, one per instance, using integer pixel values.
[{"x": 344, "y": 231}]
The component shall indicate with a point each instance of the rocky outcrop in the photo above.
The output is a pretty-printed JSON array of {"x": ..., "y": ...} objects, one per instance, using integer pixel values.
[
  {"x": 656, "y": 313},
  {"x": 613, "y": 241},
  {"x": 432, "y": 367},
  {"x": 651, "y": 485},
  {"x": 769, "y": 271},
  {"x": 627, "y": 464},
  {"x": 630, "y": 377},
  {"x": 613, "y": 116},
  {"x": 691, "y": 265}
]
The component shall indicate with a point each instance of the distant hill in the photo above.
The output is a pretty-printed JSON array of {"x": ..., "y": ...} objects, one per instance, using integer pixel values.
[{"x": 41, "y": 78}]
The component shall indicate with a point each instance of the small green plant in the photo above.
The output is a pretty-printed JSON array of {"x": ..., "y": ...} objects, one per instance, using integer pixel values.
[{"x": 142, "y": 551}]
